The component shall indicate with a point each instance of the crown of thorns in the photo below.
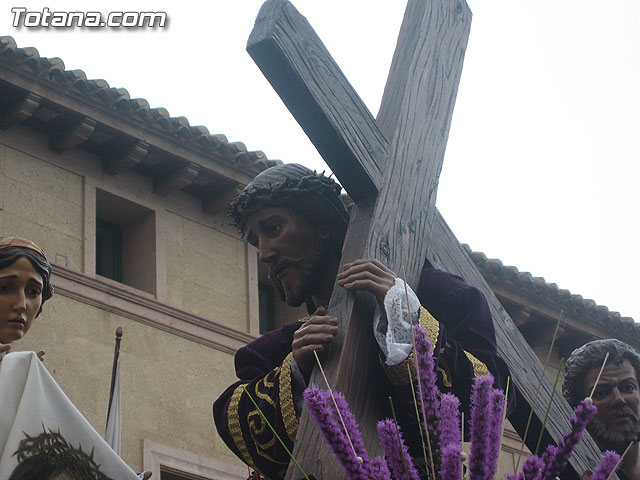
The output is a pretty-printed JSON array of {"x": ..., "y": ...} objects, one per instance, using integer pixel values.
[
  {"x": 51, "y": 450},
  {"x": 282, "y": 192}
]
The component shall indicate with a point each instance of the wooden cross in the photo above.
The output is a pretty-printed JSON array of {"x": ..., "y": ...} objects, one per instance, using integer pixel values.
[{"x": 390, "y": 166}]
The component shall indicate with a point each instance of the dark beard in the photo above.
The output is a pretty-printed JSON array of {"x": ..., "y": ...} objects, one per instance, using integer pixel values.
[
  {"x": 616, "y": 440},
  {"x": 312, "y": 272}
]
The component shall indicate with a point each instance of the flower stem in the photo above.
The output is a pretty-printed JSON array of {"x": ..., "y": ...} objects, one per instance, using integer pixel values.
[
  {"x": 535, "y": 398},
  {"x": 335, "y": 405},
  {"x": 546, "y": 414}
]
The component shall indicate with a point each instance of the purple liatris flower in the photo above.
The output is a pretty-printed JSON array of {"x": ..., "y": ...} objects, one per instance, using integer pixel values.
[
  {"x": 532, "y": 468},
  {"x": 427, "y": 379},
  {"x": 607, "y": 464},
  {"x": 449, "y": 420},
  {"x": 450, "y": 438},
  {"x": 322, "y": 410},
  {"x": 349, "y": 422},
  {"x": 397, "y": 454},
  {"x": 450, "y": 462},
  {"x": 556, "y": 458},
  {"x": 496, "y": 408},
  {"x": 481, "y": 424},
  {"x": 378, "y": 469}
]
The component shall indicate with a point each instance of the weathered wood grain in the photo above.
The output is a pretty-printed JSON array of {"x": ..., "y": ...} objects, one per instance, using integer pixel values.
[
  {"x": 399, "y": 157},
  {"x": 394, "y": 225},
  {"x": 420, "y": 94},
  {"x": 316, "y": 92}
]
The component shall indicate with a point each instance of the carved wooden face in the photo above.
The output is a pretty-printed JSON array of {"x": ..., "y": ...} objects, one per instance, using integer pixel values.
[
  {"x": 289, "y": 245},
  {"x": 617, "y": 397},
  {"x": 20, "y": 299}
]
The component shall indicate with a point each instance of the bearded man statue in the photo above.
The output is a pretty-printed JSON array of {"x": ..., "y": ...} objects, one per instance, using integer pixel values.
[
  {"x": 296, "y": 219},
  {"x": 617, "y": 396}
]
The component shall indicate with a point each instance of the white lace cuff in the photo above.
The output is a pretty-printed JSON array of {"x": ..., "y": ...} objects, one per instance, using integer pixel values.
[{"x": 393, "y": 333}]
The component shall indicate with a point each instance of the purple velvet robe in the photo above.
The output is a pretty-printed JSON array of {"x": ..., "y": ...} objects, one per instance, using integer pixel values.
[{"x": 465, "y": 346}]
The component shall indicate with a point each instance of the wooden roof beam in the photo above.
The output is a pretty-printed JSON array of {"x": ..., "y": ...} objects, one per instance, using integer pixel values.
[
  {"x": 72, "y": 136},
  {"x": 20, "y": 111},
  {"x": 220, "y": 202},
  {"x": 176, "y": 180},
  {"x": 126, "y": 158},
  {"x": 521, "y": 316},
  {"x": 541, "y": 333}
]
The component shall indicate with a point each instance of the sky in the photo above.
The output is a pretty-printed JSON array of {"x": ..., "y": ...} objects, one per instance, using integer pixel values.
[{"x": 543, "y": 157}]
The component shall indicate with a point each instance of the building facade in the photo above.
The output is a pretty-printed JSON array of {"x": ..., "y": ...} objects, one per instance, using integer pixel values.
[{"x": 129, "y": 204}]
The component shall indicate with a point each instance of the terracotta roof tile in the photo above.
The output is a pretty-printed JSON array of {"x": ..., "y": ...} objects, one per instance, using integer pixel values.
[
  {"x": 493, "y": 268},
  {"x": 98, "y": 90}
]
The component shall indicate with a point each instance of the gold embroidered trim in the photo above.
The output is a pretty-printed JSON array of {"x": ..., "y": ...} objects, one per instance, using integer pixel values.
[
  {"x": 397, "y": 374},
  {"x": 233, "y": 422},
  {"x": 446, "y": 374},
  {"x": 252, "y": 424},
  {"x": 286, "y": 400},
  {"x": 431, "y": 325},
  {"x": 266, "y": 382},
  {"x": 267, "y": 385},
  {"x": 479, "y": 368},
  {"x": 304, "y": 319}
]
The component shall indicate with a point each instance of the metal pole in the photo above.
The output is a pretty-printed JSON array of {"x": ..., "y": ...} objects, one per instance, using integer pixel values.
[{"x": 116, "y": 354}]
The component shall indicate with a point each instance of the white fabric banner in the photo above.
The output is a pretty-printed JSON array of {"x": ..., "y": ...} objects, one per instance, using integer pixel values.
[
  {"x": 112, "y": 433},
  {"x": 38, "y": 422}
]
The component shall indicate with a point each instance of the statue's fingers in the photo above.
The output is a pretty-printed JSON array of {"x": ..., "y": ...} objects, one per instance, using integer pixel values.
[
  {"x": 312, "y": 339},
  {"x": 315, "y": 322},
  {"x": 331, "y": 330},
  {"x": 368, "y": 282},
  {"x": 372, "y": 262},
  {"x": 374, "y": 267},
  {"x": 365, "y": 285},
  {"x": 383, "y": 267},
  {"x": 318, "y": 339},
  {"x": 359, "y": 275}
]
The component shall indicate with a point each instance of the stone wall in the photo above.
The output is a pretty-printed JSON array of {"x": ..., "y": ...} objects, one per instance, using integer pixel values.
[
  {"x": 43, "y": 202},
  {"x": 206, "y": 272}
]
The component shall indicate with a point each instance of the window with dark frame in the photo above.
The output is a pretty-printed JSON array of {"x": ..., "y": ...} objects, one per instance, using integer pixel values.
[
  {"x": 125, "y": 242},
  {"x": 108, "y": 250}
]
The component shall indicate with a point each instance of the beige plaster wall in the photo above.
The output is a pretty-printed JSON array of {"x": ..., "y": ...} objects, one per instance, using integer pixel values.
[
  {"x": 206, "y": 272},
  {"x": 168, "y": 383},
  {"x": 42, "y": 202}
]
